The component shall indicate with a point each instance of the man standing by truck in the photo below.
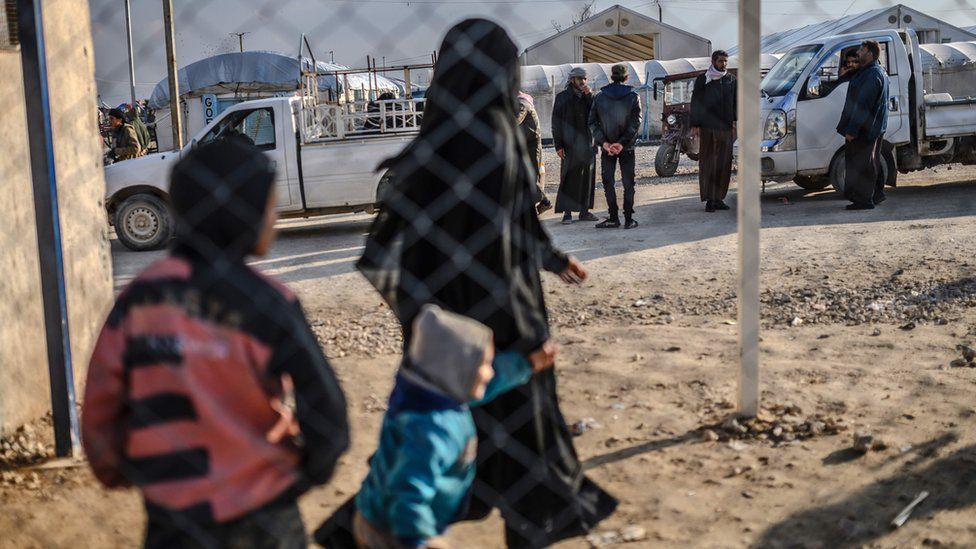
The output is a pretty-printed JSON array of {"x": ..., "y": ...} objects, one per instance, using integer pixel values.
[
  {"x": 713, "y": 116},
  {"x": 863, "y": 123}
]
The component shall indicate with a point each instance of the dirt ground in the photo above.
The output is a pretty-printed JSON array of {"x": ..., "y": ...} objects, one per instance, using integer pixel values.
[{"x": 862, "y": 314}]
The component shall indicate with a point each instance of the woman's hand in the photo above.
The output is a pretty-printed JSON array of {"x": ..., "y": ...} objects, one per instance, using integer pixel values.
[
  {"x": 543, "y": 357},
  {"x": 574, "y": 273}
]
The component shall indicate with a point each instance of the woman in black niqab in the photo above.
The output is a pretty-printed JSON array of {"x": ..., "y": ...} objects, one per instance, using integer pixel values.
[{"x": 458, "y": 228}]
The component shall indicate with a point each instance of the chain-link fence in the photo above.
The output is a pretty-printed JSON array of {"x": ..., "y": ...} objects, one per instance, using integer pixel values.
[{"x": 178, "y": 396}]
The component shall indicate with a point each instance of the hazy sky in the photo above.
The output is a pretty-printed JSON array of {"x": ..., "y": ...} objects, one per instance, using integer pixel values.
[{"x": 407, "y": 31}]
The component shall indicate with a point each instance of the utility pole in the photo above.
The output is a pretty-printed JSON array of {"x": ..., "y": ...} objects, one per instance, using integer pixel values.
[
  {"x": 174, "y": 85},
  {"x": 749, "y": 208},
  {"x": 240, "y": 38},
  {"x": 132, "y": 61},
  {"x": 660, "y": 12},
  {"x": 332, "y": 55}
]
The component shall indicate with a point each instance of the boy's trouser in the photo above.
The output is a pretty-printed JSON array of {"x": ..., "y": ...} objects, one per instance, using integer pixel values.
[
  {"x": 275, "y": 526},
  {"x": 370, "y": 537},
  {"x": 627, "y": 176}
]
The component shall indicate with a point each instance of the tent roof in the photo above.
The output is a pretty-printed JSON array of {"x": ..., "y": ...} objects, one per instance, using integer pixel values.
[
  {"x": 603, "y": 13},
  {"x": 781, "y": 42},
  {"x": 254, "y": 71},
  {"x": 948, "y": 56},
  {"x": 546, "y": 78}
]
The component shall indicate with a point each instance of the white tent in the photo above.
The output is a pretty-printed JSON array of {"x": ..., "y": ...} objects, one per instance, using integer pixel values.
[{"x": 949, "y": 68}]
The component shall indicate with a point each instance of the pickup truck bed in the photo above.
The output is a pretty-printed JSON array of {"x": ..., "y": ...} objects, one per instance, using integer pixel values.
[{"x": 946, "y": 116}]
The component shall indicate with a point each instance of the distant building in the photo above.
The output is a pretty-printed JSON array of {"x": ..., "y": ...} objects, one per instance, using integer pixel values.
[
  {"x": 614, "y": 35},
  {"x": 929, "y": 29}
]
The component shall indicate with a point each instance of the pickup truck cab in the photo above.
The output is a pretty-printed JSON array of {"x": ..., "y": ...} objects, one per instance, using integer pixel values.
[
  {"x": 803, "y": 100},
  {"x": 326, "y": 158}
]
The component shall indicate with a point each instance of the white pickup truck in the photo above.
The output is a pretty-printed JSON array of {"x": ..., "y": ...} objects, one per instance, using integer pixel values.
[
  {"x": 802, "y": 103},
  {"x": 326, "y": 157}
]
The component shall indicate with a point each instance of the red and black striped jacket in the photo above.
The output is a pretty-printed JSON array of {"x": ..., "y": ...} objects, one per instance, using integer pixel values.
[{"x": 179, "y": 391}]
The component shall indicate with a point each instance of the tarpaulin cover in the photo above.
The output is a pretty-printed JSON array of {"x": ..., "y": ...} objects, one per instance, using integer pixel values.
[{"x": 257, "y": 71}]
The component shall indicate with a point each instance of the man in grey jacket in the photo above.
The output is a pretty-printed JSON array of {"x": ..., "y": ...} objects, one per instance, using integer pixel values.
[{"x": 614, "y": 122}]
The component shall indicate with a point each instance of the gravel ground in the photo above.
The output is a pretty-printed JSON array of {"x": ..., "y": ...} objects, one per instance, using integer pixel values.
[{"x": 866, "y": 385}]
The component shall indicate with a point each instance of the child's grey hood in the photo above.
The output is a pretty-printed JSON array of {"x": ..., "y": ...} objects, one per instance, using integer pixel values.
[{"x": 446, "y": 350}]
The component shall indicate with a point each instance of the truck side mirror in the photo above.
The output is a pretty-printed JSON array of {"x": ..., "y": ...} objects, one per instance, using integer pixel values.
[
  {"x": 813, "y": 85},
  {"x": 654, "y": 85}
]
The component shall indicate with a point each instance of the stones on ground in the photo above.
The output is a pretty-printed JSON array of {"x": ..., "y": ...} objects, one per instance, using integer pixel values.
[
  {"x": 584, "y": 425},
  {"x": 629, "y": 534},
  {"x": 23, "y": 447},
  {"x": 862, "y": 442},
  {"x": 797, "y": 321},
  {"x": 968, "y": 353},
  {"x": 709, "y": 435},
  {"x": 959, "y": 363},
  {"x": 876, "y": 332},
  {"x": 733, "y": 426},
  {"x": 778, "y": 423}
]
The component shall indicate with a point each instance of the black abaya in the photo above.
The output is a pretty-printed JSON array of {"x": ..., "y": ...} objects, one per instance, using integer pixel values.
[{"x": 459, "y": 229}]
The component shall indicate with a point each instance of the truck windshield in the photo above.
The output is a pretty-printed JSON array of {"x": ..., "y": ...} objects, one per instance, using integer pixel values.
[
  {"x": 787, "y": 71},
  {"x": 678, "y": 92}
]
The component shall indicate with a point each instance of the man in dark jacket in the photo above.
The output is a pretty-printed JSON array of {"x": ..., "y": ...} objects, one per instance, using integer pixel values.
[
  {"x": 614, "y": 122},
  {"x": 863, "y": 123},
  {"x": 713, "y": 116},
  {"x": 125, "y": 141},
  {"x": 574, "y": 145}
]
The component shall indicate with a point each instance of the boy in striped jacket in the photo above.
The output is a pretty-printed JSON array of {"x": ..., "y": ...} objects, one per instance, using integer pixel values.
[{"x": 184, "y": 390}]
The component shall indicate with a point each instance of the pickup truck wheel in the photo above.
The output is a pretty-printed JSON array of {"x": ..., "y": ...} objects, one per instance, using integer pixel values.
[
  {"x": 143, "y": 222},
  {"x": 666, "y": 162},
  {"x": 812, "y": 183},
  {"x": 383, "y": 189},
  {"x": 838, "y": 172}
]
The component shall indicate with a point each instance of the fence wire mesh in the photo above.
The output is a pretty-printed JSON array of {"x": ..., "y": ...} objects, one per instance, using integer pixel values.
[{"x": 457, "y": 227}]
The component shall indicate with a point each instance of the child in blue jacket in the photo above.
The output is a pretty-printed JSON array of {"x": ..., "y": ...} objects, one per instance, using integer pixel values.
[{"x": 421, "y": 474}]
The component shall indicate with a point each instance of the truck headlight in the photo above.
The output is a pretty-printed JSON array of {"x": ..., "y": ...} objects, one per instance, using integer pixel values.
[
  {"x": 672, "y": 120},
  {"x": 775, "y": 125}
]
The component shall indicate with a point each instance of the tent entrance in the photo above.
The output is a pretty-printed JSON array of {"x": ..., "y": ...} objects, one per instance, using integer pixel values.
[{"x": 614, "y": 48}]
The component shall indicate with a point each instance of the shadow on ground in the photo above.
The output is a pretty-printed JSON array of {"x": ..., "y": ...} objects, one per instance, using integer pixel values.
[{"x": 865, "y": 516}]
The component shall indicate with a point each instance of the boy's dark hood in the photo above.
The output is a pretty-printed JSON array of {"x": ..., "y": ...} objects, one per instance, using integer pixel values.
[
  {"x": 617, "y": 91},
  {"x": 219, "y": 193}
]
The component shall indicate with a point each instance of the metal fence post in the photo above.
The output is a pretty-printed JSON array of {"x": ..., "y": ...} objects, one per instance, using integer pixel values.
[
  {"x": 749, "y": 207},
  {"x": 132, "y": 60},
  {"x": 173, "y": 70},
  {"x": 47, "y": 219}
]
